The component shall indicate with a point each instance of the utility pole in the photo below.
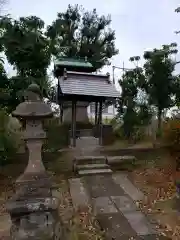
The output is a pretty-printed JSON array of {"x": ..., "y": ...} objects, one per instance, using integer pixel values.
[
  {"x": 113, "y": 72},
  {"x": 121, "y": 68}
]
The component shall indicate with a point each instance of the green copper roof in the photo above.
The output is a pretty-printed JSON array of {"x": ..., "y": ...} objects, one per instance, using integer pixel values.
[{"x": 79, "y": 62}]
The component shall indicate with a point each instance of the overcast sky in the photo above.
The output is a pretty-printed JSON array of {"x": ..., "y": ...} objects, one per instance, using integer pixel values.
[{"x": 139, "y": 24}]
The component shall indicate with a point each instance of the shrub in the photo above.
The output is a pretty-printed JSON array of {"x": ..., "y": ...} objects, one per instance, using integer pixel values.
[
  {"x": 9, "y": 137},
  {"x": 138, "y": 134},
  {"x": 171, "y": 134},
  {"x": 117, "y": 128},
  {"x": 58, "y": 134}
]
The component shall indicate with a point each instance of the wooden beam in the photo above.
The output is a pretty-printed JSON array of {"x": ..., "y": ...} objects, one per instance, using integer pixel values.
[
  {"x": 96, "y": 113},
  {"x": 100, "y": 123},
  {"x": 61, "y": 112},
  {"x": 73, "y": 128}
]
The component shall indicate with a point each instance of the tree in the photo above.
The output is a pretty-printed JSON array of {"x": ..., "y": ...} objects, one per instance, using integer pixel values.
[
  {"x": 4, "y": 88},
  {"x": 29, "y": 51},
  {"x": 127, "y": 103},
  {"x": 25, "y": 46},
  {"x": 85, "y": 34},
  {"x": 177, "y": 91},
  {"x": 29, "y": 46},
  {"x": 159, "y": 79},
  {"x": 133, "y": 105}
]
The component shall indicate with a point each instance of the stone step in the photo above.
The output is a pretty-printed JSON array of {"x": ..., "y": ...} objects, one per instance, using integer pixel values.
[
  {"x": 92, "y": 166},
  {"x": 94, "y": 172},
  {"x": 122, "y": 163},
  {"x": 87, "y": 141},
  {"x": 89, "y": 160},
  {"x": 120, "y": 159}
]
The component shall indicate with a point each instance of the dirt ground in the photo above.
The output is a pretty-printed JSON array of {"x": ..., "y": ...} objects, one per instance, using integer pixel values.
[{"x": 156, "y": 178}]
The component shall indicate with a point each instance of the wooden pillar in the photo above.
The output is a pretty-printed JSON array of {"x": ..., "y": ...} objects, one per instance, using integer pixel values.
[
  {"x": 96, "y": 113},
  {"x": 73, "y": 127},
  {"x": 100, "y": 123},
  {"x": 61, "y": 112}
]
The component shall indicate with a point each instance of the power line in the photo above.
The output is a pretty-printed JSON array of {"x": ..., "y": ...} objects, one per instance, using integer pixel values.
[{"x": 121, "y": 68}]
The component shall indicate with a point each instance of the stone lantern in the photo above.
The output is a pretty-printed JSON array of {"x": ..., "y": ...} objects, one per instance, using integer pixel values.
[
  {"x": 32, "y": 112},
  {"x": 33, "y": 209}
]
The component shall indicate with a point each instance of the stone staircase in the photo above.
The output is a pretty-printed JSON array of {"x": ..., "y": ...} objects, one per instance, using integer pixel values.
[
  {"x": 88, "y": 160},
  {"x": 87, "y": 145},
  {"x": 90, "y": 165}
]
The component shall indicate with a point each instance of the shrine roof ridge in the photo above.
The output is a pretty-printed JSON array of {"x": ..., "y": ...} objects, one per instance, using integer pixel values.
[
  {"x": 88, "y": 74},
  {"x": 81, "y": 62}
]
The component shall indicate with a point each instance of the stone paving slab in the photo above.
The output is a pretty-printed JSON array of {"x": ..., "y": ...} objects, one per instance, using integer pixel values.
[
  {"x": 127, "y": 237},
  {"x": 100, "y": 186},
  {"x": 124, "y": 203},
  {"x": 153, "y": 237},
  {"x": 114, "y": 207},
  {"x": 115, "y": 226},
  {"x": 139, "y": 223},
  {"x": 79, "y": 194},
  {"x": 103, "y": 205},
  {"x": 122, "y": 180}
]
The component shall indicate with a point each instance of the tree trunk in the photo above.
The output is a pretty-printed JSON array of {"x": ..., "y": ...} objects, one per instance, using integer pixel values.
[{"x": 159, "y": 119}]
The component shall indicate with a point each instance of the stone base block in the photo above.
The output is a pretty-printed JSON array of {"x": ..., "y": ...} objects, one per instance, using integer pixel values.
[
  {"x": 36, "y": 218},
  {"x": 34, "y": 178},
  {"x": 37, "y": 225}
]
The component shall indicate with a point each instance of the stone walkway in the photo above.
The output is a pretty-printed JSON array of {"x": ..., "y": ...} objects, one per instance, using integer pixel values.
[{"x": 113, "y": 200}]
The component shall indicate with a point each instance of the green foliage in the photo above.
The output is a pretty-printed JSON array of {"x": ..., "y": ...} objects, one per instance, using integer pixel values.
[
  {"x": 129, "y": 122},
  {"x": 171, "y": 134},
  {"x": 127, "y": 103},
  {"x": 57, "y": 135},
  {"x": 176, "y": 90},
  {"x": 29, "y": 51},
  {"x": 29, "y": 48},
  {"x": 25, "y": 46},
  {"x": 144, "y": 114},
  {"x": 85, "y": 33},
  {"x": 9, "y": 138},
  {"x": 159, "y": 84},
  {"x": 159, "y": 81},
  {"x": 4, "y": 87},
  {"x": 132, "y": 112}
]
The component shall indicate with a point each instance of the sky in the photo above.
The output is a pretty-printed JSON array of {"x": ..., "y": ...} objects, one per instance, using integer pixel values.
[{"x": 139, "y": 25}]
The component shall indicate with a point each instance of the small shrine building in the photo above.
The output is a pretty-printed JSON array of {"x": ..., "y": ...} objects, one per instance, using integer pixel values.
[{"x": 77, "y": 82}]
